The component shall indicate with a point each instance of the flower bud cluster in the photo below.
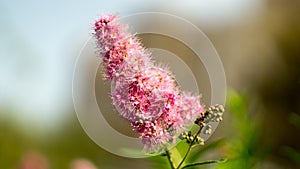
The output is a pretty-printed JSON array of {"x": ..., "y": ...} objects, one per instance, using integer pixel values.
[
  {"x": 212, "y": 114},
  {"x": 191, "y": 139}
]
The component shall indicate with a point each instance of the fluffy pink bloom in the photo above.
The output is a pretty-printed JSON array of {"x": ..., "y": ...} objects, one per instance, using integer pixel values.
[
  {"x": 115, "y": 44},
  {"x": 145, "y": 94}
]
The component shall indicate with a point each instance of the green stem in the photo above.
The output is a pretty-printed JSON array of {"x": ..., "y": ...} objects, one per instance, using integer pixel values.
[
  {"x": 169, "y": 159},
  {"x": 190, "y": 147},
  {"x": 203, "y": 163}
]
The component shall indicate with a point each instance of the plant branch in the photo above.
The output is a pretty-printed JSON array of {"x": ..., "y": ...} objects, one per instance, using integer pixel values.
[
  {"x": 190, "y": 147},
  {"x": 169, "y": 158}
]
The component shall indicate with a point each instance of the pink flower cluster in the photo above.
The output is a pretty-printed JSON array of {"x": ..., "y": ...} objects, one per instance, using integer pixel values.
[{"x": 143, "y": 93}]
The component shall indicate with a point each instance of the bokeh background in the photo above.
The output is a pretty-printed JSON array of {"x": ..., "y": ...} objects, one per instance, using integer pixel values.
[{"x": 257, "y": 40}]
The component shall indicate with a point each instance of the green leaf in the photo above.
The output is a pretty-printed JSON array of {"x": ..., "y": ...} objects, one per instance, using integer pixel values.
[
  {"x": 237, "y": 104},
  {"x": 204, "y": 163},
  {"x": 182, "y": 147},
  {"x": 194, "y": 156},
  {"x": 175, "y": 156},
  {"x": 159, "y": 162},
  {"x": 295, "y": 119},
  {"x": 291, "y": 153}
]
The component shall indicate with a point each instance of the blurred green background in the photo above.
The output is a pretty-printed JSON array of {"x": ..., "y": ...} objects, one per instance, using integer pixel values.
[{"x": 257, "y": 40}]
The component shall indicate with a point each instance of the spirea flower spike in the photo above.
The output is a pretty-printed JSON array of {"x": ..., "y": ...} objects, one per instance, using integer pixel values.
[{"x": 143, "y": 93}]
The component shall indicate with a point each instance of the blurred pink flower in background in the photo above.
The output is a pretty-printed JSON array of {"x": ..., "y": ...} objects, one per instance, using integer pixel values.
[
  {"x": 82, "y": 164},
  {"x": 33, "y": 160}
]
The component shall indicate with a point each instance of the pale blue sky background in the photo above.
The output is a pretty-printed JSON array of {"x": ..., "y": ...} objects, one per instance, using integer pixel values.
[{"x": 39, "y": 42}]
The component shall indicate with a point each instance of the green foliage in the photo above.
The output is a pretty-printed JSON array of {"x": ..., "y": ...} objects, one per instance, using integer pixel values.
[
  {"x": 289, "y": 151},
  {"x": 295, "y": 120},
  {"x": 204, "y": 163},
  {"x": 159, "y": 162},
  {"x": 242, "y": 148},
  {"x": 237, "y": 105},
  {"x": 195, "y": 155},
  {"x": 12, "y": 144}
]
